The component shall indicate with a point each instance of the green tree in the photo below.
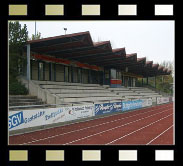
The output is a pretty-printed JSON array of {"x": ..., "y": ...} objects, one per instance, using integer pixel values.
[
  {"x": 165, "y": 81},
  {"x": 37, "y": 36},
  {"x": 17, "y": 38}
]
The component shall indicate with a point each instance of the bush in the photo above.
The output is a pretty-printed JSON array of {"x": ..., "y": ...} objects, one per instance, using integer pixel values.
[{"x": 16, "y": 88}]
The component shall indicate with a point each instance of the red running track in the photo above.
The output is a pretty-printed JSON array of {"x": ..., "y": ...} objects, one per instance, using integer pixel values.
[{"x": 153, "y": 125}]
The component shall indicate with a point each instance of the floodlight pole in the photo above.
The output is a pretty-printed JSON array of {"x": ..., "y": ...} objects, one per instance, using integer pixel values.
[
  {"x": 28, "y": 64},
  {"x": 65, "y": 29},
  {"x": 35, "y": 28}
]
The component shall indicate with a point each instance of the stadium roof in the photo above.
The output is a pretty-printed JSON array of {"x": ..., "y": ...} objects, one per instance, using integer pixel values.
[{"x": 80, "y": 47}]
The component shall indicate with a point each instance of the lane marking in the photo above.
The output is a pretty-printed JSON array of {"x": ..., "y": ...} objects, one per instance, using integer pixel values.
[
  {"x": 112, "y": 128},
  {"x": 159, "y": 135},
  {"x": 42, "y": 139},
  {"x": 138, "y": 130}
]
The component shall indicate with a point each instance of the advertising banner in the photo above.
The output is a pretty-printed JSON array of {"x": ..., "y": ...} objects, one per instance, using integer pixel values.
[
  {"x": 129, "y": 105},
  {"x": 106, "y": 108},
  {"x": 32, "y": 118},
  {"x": 162, "y": 100},
  {"x": 78, "y": 112},
  {"x": 146, "y": 102},
  {"x": 39, "y": 117}
]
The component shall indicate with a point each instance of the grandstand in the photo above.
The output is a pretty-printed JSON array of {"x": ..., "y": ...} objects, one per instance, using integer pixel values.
[{"x": 72, "y": 70}]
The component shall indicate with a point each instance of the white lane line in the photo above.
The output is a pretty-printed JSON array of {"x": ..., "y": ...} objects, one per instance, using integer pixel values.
[
  {"x": 159, "y": 135},
  {"x": 113, "y": 128},
  {"x": 42, "y": 139},
  {"x": 36, "y": 140},
  {"x": 137, "y": 130}
]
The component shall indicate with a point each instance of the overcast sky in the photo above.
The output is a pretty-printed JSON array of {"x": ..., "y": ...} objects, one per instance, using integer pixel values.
[{"x": 151, "y": 39}]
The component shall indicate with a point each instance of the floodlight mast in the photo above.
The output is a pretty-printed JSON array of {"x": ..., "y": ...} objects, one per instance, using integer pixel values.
[{"x": 65, "y": 29}]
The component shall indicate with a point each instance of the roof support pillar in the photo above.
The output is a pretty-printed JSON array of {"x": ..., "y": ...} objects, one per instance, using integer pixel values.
[{"x": 28, "y": 62}]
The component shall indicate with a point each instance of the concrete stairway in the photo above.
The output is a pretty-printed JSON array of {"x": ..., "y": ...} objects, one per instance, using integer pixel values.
[{"x": 17, "y": 102}]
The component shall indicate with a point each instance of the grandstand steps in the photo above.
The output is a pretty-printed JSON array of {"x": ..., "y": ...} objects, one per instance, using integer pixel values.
[
  {"x": 78, "y": 95},
  {"x": 73, "y": 94},
  {"x": 73, "y": 99},
  {"x": 63, "y": 83},
  {"x": 11, "y": 97},
  {"x": 22, "y": 101},
  {"x": 25, "y": 103},
  {"x": 26, "y": 107},
  {"x": 74, "y": 91},
  {"x": 69, "y": 87}
]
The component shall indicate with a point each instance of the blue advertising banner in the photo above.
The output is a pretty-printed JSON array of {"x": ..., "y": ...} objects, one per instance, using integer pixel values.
[
  {"x": 130, "y": 105},
  {"x": 15, "y": 120},
  {"x": 106, "y": 108}
]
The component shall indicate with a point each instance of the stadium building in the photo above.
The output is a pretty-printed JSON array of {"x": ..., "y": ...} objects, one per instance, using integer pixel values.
[
  {"x": 75, "y": 58},
  {"x": 71, "y": 77},
  {"x": 72, "y": 69}
]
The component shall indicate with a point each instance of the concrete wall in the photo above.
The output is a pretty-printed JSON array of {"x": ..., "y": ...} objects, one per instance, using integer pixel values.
[
  {"x": 75, "y": 74},
  {"x": 85, "y": 76},
  {"x": 47, "y": 74},
  {"x": 43, "y": 94},
  {"x": 59, "y": 72},
  {"x": 34, "y": 70}
]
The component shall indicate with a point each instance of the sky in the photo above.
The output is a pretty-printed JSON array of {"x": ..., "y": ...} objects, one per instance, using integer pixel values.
[{"x": 151, "y": 39}]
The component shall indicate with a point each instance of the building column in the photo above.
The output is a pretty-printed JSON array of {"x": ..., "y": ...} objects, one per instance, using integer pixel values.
[
  {"x": 28, "y": 62},
  {"x": 142, "y": 81}
]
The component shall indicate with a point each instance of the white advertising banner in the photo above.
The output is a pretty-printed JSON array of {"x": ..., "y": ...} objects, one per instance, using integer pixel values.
[
  {"x": 78, "y": 112},
  {"x": 146, "y": 102},
  {"x": 154, "y": 99},
  {"x": 32, "y": 118},
  {"x": 162, "y": 100}
]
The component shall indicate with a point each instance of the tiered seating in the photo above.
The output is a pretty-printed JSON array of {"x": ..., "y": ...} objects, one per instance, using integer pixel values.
[{"x": 78, "y": 94}]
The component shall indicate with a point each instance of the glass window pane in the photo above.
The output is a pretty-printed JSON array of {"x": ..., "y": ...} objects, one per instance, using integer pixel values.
[
  {"x": 113, "y": 73},
  {"x": 41, "y": 72}
]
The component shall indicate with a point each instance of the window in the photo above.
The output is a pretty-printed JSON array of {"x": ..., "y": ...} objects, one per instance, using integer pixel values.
[
  {"x": 66, "y": 74},
  {"x": 119, "y": 75},
  {"x": 41, "y": 71},
  {"x": 52, "y": 72},
  {"x": 79, "y": 76},
  {"x": 113, "y": 73},
  {"x": 107, "y": 73}
]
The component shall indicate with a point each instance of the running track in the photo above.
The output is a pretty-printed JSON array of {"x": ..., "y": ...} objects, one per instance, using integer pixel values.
[{"x": 148, "y": 126}]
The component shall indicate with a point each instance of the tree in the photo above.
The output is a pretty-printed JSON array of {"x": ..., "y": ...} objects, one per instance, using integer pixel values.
[
  {"x": 169, "y": 65},
  {"x": 17, "y": 38},
  {"x": 167, "y": 80},
  {"x": 37, "y": 36}
]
